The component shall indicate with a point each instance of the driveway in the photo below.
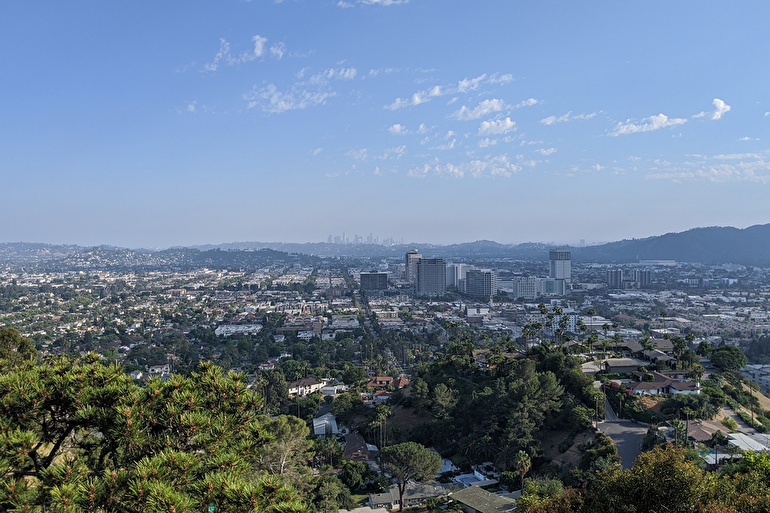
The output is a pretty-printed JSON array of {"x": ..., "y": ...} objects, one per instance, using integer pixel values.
[
  {"x": 742, "y": 426},
  {"x": 626, "y": 435}
]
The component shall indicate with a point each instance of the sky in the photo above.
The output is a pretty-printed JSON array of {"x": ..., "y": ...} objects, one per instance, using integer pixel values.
[{"x": 157, "y": 124}]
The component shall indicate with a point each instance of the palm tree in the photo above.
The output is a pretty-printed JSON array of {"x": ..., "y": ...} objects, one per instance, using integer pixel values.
[{"x": 522, "y": 463}]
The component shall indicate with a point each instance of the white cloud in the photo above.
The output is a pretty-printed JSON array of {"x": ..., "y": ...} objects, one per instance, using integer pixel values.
[
  {"x": 397, "y": 129},
  {"x": 647, "y": 125},
  {"x": 494, "y": 166},
  {"x": 497, "y": 127},
  {"x": 470, "y": 84},
  {"x": 545, "y": 151},
  {"x": 333, "y": 74},
  {"x": 720, "y": 168},
  {"x": 417, "y": 98},
  {"x": 484, "y": 108},
  {"x": 259, "y": 46},
  {"x": 316, "y": 151},
  {"x": 487, "y": 142},
  {"x": 746, "y": 139},
  {"x": 394, "y": 153},
  {"x": 278, "y": 50},
  {"x": 720, "y": 108},
  {"x": 189, "y": 108},
  {"x": 564, "y": 118},
  {"x": 258, "y": 51},
  {"x": 344, "y": 5},
  {"x": 767, "y": 114},
  {"x": 270, "y": 99},
  {"x": 221, "y": 55},
  {"x": 384, "y": 71},
  {"x": 501, "y": 79},
  {"x": 527, "y": 103}
]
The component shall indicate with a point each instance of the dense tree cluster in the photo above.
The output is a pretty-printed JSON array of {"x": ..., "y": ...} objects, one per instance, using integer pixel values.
[
  {"x": 76, "y": 435},
  {"x": 499, "y": 413},
  {"x": 663, "y": 480}
]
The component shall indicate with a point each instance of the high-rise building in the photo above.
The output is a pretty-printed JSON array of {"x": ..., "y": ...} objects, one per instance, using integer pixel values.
[
  {"x": 643, "y": 278},
  {"x": 551, "y": 287},
  {"x": 410, "y": 265},
  {"x": 615, "y": 279},
  {"x": 455, "y": 273},
  {"x": 561, "y": 264},
  {"x": 481, "y": 284},
  {"x": 374, "y": 281},
  {"x": 524, "y": 286},
  {"x": 431, "y": 277}
]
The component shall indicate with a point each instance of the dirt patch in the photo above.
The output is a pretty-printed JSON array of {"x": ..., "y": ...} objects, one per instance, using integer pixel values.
[
  {"x": 764, "y": 401},
  {"x": 651, "y": 402},
  {"x": 404, "y": 420},
  {"x": 570, "y": 458}
]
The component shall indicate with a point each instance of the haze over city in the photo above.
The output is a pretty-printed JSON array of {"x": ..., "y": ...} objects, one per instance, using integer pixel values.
[{"x": 149, "y": 124}]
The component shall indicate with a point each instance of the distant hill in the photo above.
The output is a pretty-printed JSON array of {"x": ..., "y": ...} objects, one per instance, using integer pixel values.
[{"x": 713, "y": 245}]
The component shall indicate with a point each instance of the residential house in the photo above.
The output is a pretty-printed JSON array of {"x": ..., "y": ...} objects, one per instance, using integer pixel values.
[
  {"x": 325, "y": 426},
  {"x": 159, "y": 370},
  {"x": 663, "y": 384},
  {"x": 305, "y": 386},
  {"x": 380, "y": 382},
  {"x": 381, "y": 396},
  {"x": 400, "y": 382},
  {"x": 415, "y": 493},
  {"x": 356, "y": 449},
  {"x": 621, "y": 365}
]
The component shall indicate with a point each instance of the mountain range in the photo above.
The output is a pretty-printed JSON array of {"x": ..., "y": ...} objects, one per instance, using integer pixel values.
[{"x": 712, "y": 245}]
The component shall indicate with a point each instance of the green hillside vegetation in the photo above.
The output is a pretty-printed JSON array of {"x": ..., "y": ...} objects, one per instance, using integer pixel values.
[
  {"x": 76, "y": 435},
  {"x": 513, "y": 405},
  {"x": 663, "y": 480}
]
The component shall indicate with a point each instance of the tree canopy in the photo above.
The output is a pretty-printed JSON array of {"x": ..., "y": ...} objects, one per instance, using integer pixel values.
[
  {"x": 409, "y": 460},
  {"x": 665, "y": 479},
  {"x": 728, "y": 358},
  {"x": 76, "y": 435},
  {"x": 14, "y": 348}
]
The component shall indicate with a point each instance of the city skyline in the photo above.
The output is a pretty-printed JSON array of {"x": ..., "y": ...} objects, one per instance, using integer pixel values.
[{"x": 157, "y": 125}]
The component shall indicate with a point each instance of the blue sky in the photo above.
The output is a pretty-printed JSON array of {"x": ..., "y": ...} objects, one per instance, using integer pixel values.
[{"x": 153, "y": 124}]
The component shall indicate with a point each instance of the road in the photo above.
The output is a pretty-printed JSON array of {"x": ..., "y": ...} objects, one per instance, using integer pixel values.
[
  {"x": 626, "y": 435},
  {"x": 742, "y": 426}
]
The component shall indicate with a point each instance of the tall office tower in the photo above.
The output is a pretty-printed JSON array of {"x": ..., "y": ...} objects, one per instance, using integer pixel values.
[
  {"x": 455, "y": 273},
  {"x": 410, "y": 269},
  {"x": 561, "y": 264},
  {"x": 615, "y": 279},
  {"x": 481, "y": 284},
  {"x": 643, "y": 278},
  {"x": 431, "y": 277},
  {"x": 374, "y": 281}
]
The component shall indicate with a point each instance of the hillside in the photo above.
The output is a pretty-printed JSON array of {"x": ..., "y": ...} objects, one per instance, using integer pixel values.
[{"x": 714, "y": 245}]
